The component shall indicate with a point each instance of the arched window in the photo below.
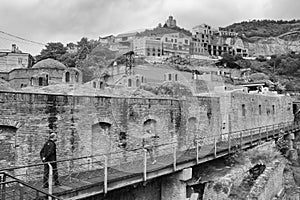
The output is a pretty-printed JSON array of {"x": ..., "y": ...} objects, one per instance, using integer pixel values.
[
  {"x": 101, "y": 142},
  {"x": 31, "y": 81},
  {"x": 47, "y": 80},
  {"x": 192, "y": 129},
  {"x": 176, "y": 77},
  {"x": 67, "y": 77},
  {"x": 273, "y": 109},
  {"x": 150, "y": 126},
  {"x": 77, "y": 77},
  {"x": 170, "y": 77},
  {"x": 129, "y": 83},
  {"x": 259, "y": 109},
  {"x": 137, "y": 82},
  {"x": 94, "y": 84},
  {"x": 101, "y": 85},
  {"x": 40, "y": 81},
  {"x": 243, "y": 110}
]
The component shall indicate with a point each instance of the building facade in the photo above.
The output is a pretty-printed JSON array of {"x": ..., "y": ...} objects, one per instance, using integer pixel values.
[
  {"x": 176, "y": 44},
  {"x": 147, "y": 46}
]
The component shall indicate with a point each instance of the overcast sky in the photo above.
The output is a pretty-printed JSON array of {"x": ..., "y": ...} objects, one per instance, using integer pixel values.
[{"x": 69, "y": 20}]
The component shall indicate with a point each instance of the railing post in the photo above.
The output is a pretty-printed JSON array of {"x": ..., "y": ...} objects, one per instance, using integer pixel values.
[
  {"x": 145, "y": 164},
  {"x": 105, "y": 174},
  {"x": 267, "y": 133},
  {"x": 215, "y": 146},
  {"x": 22, "y": 192},
  {"x": 259, "y": 131},
  {"x": 273, "y": 131},
  {"x": 229, "y": 143},
  {"x": 50, "y": 180},
  {"x": 251, "y": 137},
  {"x": 197, "y": 151},
  {"x": 3, "y": 186},
  {"x": 174, "y": 157},
  {"x": 241, "y": 140}
]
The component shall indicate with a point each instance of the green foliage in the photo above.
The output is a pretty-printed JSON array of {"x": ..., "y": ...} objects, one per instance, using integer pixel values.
[
  {"x": 265, "y": 28},
  {"x": 53, "y": 50},
  {"x": 87, "y": 55}
]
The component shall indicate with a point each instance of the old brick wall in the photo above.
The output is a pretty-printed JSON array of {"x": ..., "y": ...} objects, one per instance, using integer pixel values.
[
  {"x": 274, "y": 110},
  {"x": 269, "y": 183},
  {"x": 23, "y": 75},
  {"x": 92, "y": 125}
]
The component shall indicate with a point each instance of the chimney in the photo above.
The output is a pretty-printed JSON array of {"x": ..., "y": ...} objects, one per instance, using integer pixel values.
[{"x": 14, "y": 48}]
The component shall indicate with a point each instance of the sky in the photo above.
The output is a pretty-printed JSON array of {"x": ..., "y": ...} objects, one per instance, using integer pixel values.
[{"x": 67, "y": 21}]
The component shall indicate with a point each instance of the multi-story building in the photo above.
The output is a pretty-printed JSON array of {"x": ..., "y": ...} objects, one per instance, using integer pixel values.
[
  {"x": 125, "y": 37},
  {"x": 148, "y": 46},
  {"x": 14, "y": 59},
  {"x": 176, "y": 44},
  {"x": 107, "y": 39},
  {"x": 225, "y": 32}
]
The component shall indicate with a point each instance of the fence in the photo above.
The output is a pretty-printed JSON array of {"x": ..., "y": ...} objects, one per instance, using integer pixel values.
[{"x": 105, "y": 168}]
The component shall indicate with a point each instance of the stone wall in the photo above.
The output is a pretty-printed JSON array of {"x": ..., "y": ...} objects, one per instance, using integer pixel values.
[
  {"x": 259, "y": 110},
  {"x": 269, "y": 183},
  {"x": 94, "y": 125}
]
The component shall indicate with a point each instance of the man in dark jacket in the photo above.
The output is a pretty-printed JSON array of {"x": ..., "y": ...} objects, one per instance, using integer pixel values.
[{"x": 48, "y": 154}]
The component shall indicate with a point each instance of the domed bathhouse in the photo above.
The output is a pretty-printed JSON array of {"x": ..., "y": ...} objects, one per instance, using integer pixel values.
[{"x": 43, "y": 73}]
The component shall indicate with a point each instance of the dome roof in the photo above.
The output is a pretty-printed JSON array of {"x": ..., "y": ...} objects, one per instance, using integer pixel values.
[{"x": 49, "y": 63}]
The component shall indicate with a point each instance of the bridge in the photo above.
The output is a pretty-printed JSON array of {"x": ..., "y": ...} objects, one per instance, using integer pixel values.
[{"x": 89, "y": 176}]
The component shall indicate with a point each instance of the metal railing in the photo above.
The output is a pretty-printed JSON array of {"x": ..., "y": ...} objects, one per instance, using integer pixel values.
[
  {"x": 102, "y": 169},
  {"x": 12, "y": 188}
]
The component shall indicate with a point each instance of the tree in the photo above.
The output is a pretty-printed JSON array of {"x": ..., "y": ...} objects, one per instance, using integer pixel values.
[{"x": 53, "y": 50}]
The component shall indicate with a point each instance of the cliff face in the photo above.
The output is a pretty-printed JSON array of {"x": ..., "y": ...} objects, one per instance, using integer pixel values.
[{"x": 271, "y": 46}]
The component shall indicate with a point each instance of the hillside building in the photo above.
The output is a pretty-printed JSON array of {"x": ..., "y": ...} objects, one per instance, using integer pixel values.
[
  {"x": 148, "y": 46},
  {"x": 176, "y": 44}
]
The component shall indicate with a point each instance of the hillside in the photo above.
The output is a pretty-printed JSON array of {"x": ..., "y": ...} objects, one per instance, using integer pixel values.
[
  {"x": 163, "y": 30},
  {"x": 257, "y": 29}
]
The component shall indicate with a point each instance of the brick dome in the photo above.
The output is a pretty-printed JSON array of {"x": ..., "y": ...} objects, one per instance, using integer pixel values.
[{"x": 49, "y": 63}]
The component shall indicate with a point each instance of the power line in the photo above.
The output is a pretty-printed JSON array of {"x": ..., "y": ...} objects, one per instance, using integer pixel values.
[{"x": 22, "y": 38}]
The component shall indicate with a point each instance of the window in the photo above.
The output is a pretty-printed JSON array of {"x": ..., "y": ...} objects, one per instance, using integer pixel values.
[
  {"x": 186, "y": 41},
  {"x": 67, "y": 77},
  {"x": 175, "y": 77},
  {"x": 101, "y": 85},
  {"x": 47, "y": 79},
  {"x": 94, "y": 84},
  {"x": 77, "y": 77},
  {"x": 166, "y": 39},
  {"x": 243, "y": 110},
  {"x": 137, "y": 82},
  {"x": 20, "y": 61},
  {"x": 170, "y": 77},
  {"x": 273, "y": 109},
  {"x": 40, "y": 81},
  {"x": 122, "y": 139},
  {"x": 129, "y": 83},
  {"x": 259, "y": 109}
]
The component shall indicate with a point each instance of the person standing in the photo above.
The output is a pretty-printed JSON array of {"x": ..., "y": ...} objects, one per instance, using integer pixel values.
[
  {"x": 148, "y": 144},
  {"x": 48, "y": 154}
]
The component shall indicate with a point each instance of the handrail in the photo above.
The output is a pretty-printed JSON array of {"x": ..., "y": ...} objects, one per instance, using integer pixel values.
[
  {"x": 141, "y": 148},
  {"x": 25, "y": 184}
]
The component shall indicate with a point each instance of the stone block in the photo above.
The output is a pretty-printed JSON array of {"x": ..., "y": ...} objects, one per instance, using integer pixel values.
[
  {"x": 194, "y": 196},
  {"x": 186, "y": 174}
]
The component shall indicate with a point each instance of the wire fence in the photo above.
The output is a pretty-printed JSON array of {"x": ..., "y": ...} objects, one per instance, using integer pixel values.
[{"x": 105, "y": 168}]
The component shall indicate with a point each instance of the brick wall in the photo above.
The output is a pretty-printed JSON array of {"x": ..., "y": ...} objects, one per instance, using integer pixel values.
[
  {"x": 282, "y": 111},
  {"x": 269, "y": 183},
  {"x": 73, "y": 118}
]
